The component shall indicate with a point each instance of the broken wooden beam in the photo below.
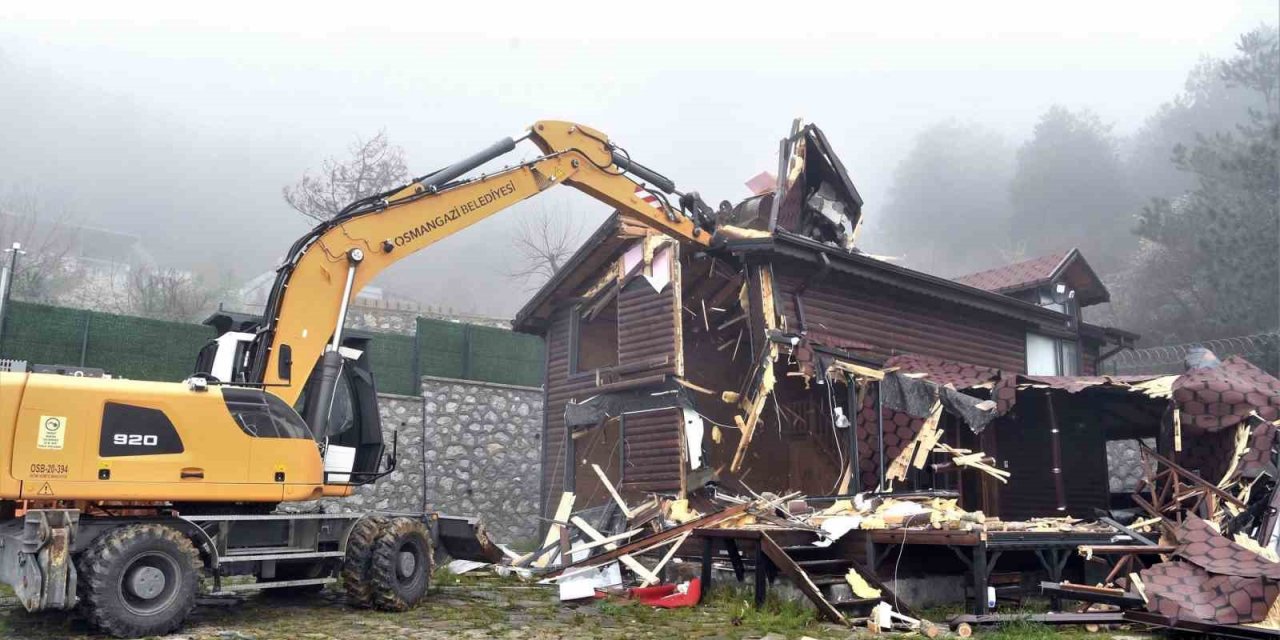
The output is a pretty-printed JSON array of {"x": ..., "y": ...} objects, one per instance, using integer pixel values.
[
  {"x": 632, "y": 564},
  {"x": 563, "y": 511},
  {"x": 1122, "y": 549},
  {"x": 952, "y": 466},
  {"x": 1087, "y": 593},
  {"x": 626, "y": 511},
  {"x": 655, "y": 539},
  {"x": 675, "y": 546},
  {"x": 801, "y": 579},
  {"x": 1108, "y": 617}
]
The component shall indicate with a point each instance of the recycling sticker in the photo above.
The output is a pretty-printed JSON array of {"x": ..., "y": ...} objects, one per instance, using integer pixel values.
[{"x": 53, "y": 432}]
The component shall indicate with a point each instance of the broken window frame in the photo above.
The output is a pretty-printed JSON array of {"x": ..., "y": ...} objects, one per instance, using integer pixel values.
[{"x": 575, "y": 340}]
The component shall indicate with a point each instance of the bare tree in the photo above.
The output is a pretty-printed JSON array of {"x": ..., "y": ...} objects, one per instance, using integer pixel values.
[
  {"x": 373, "y": 166},
  {"x": 45, "y": 270},
  {"x": 166, "y": 294},
  {"x": 543, "y": 242}
]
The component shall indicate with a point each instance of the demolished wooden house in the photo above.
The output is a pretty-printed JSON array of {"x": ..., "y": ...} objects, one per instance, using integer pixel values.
[
  {"x": 784, "y": 403},
  {"x": 746, "y": 365}
]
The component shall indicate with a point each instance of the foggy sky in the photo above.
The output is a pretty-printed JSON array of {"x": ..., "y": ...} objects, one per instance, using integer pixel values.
[{"x": 180, "y": 122}]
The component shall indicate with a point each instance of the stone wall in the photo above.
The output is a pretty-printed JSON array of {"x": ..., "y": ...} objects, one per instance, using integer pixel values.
[
  {"x": 1124, "y": 462},
  {"x": 486, "y": 455},
  {"x": 403, "y": 489},
  {"x": 382, "y": 320},
  {"x": 404, "y": 321},
  {"x": 482, "y": 456}
]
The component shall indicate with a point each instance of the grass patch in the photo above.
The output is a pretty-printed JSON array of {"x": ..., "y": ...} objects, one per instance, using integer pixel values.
[
  {"x": 443, "y": 576},
  {"x": 526, "y": 545},
  {"x": 480, "y": 604},
  {"x": 778, "y": 615},
  {"x": 1021, "y": 629},
  {"x": 726, "y": 612}
]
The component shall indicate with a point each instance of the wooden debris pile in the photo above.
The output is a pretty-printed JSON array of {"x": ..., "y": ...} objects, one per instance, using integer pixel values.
[
  {"x": 1207, "y": 560},
  {"x": 623, "y": 549}
]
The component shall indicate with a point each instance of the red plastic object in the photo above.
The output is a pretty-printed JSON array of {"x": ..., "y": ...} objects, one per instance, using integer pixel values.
[{"x": 665, "y": 595}]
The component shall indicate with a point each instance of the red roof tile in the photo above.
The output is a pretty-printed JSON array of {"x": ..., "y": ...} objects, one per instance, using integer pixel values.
[{"x": 1018, "y": 275}]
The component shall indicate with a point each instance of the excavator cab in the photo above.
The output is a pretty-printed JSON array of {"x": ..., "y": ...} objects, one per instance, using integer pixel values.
[{"x": 350, "y": 439}]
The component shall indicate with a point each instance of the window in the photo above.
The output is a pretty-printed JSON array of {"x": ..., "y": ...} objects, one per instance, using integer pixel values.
[
  {"x": 1047, "y": 356},
  {"x": 263, "y": 415},
  {"x": 1047, "y": 300},
  {"x": 342, "y": 413},
  {"x": 1068, "y": 358},
  {"x": 288, "y": 423},
  {"x": 593, "y": 337}
]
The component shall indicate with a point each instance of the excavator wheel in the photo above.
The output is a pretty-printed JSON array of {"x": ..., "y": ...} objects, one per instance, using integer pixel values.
[
  {"x": 401, "y": 564},
  {"x": 356, "y": 578},
  {"x": 138, "y": 580}
]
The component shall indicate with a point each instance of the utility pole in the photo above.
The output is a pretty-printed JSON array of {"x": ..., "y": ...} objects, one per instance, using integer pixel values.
[{"x": 6, "y": 284}]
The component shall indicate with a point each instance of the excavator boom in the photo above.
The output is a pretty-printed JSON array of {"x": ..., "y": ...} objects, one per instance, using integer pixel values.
[
  {"x": 339, "y": 257},
  {"x": 205, "y": 460}
]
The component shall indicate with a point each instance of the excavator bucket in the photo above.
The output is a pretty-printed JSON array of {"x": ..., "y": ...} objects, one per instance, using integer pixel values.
[{"x": 814, "y": 196}]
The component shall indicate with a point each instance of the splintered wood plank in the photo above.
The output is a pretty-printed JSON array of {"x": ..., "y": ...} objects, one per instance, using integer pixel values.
[
  {"x": 655, "y": 539},
  {"x": 553, "y": 532},
  {"x": 801, "y": 579},
  {"x": 763, "y": 391},
  {"x": 626, "y": 511},
  {"x": 675, "y": 545},
  {"x": 606, "y": 541},
  {"x": 631, "y": 563}
]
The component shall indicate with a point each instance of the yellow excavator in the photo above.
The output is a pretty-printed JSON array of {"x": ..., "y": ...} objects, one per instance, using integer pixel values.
[{"x": 117, "y": 495}]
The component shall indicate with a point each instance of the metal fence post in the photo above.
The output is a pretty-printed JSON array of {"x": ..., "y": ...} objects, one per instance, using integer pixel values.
[
  {"x": 415, "y": 368},
  {"x": 84, "y": 339},
  {"x": 466, "y": 352},
  {"x": 6, "y": 284}
]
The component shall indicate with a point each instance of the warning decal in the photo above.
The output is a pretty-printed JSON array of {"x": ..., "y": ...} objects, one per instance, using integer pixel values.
[
  {"x": 53, "y": 432},
  {"x": 45, "y": 490}
]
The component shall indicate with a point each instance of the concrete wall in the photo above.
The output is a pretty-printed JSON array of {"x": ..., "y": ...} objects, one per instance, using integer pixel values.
[{"x": 465, "y": 448}]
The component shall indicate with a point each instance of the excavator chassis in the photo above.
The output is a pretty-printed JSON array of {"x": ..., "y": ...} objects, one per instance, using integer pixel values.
[
  {"x": 45, "y": 554},
  {"x": 36, "y": 558}
]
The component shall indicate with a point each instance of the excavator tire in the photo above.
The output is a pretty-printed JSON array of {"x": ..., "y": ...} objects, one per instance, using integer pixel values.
[
  {"x": 356, "y": 579},
  {"x": 138, "y": 580},
  {"x": 401, "y": 564}
]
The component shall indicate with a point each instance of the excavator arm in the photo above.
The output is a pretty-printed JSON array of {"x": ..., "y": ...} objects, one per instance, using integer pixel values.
[{"x": 302, "y": 326}]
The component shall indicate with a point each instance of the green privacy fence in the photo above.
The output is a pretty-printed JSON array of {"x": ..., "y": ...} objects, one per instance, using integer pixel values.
[
  {"x": 146, "y": 349},
  {"x": 454, "y": 350},
  {"x": 127, "y": 346}
]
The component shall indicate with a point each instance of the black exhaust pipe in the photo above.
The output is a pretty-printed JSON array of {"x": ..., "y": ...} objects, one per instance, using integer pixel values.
[{"x": 320, "y": 388}]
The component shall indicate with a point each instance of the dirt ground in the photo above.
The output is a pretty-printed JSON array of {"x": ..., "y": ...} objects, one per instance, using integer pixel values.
[{"x": 467, "y": 607}]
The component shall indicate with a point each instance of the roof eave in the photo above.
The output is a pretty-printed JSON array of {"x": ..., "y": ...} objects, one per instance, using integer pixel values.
[
  {"x": 527, "y": 320},
  {"x": 797, "y": 246},
  {"x": 1057, "y": 273}
]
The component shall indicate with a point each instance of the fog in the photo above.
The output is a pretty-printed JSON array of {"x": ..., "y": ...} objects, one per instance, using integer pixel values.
[{"x": 181, "y": 123}]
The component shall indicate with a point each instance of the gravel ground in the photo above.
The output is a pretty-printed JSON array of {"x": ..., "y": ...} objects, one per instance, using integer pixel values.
[{"x": 466, "y": 607}]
